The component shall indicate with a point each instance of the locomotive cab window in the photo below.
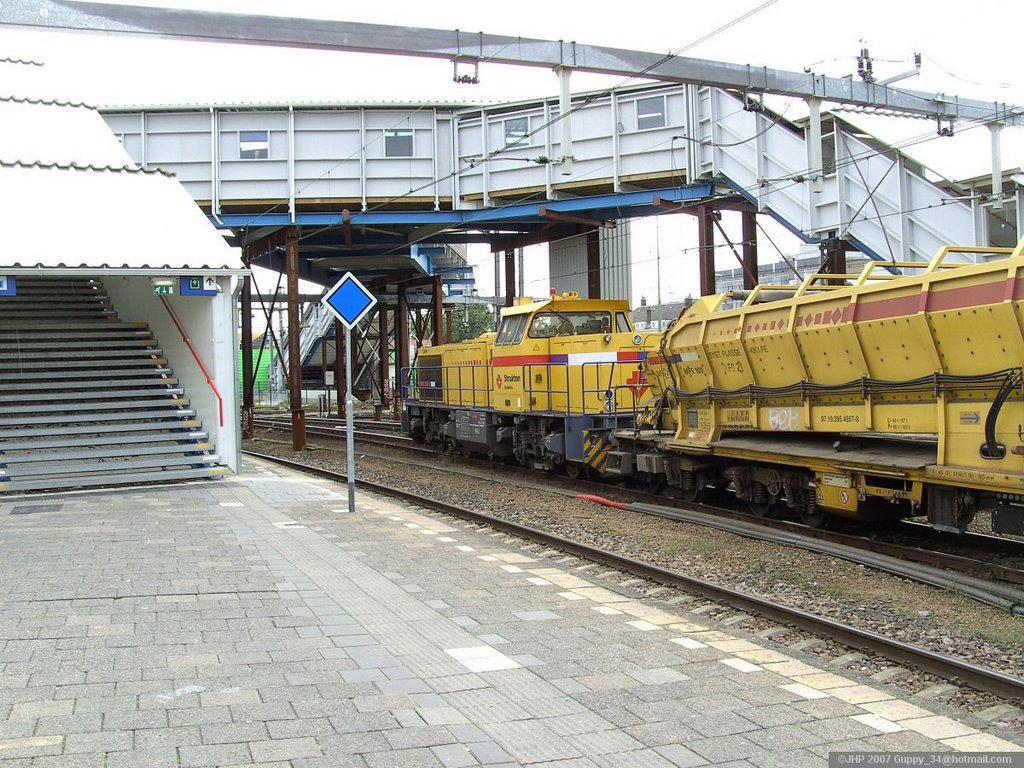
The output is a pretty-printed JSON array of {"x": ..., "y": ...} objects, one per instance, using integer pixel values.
[
  {"x": 622, "y": 323},
  {"x": 511, "y": 330},
  {"x": 546, "y": 325}
]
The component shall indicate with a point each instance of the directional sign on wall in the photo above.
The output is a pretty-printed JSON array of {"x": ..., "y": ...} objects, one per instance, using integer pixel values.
[
  {"x": 7, "y": 287},
  {"x": 349, "y": 300},
  {"x": 198, "y": 285}
]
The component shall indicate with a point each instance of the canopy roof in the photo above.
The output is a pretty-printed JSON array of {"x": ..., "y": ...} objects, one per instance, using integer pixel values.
[{"x": 72, "y": 198}]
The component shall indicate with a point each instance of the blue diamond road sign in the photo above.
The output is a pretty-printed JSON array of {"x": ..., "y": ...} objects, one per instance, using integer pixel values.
[{"x": 349, "y": 300}]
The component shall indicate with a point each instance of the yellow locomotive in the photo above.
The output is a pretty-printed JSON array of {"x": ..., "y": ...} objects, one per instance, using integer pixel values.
[
  {"x": 891, "y": 393},
  {"x": 547, "y": 389}
]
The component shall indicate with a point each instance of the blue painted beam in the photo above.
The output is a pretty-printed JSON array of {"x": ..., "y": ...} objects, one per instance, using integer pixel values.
[{"x": 623, "y": 202}]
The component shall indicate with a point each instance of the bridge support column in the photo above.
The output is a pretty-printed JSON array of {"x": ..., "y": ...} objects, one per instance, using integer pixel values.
[
  {"x": 385, "y": 356},
  {"x": 340, "y": 384},
  {"x": 401, "y": 340},
  {"x": 510, "y": 277},
  {"x": 593, "y": 264},
  {"x": 248, "y": 384},
  {"x": 438, "y": 311},
  {"x": 750, "y": 268},
  {"x": 706, "y": 217},
  {"x": 294, "y": 341},
  {"x": 833, "y": 258}
]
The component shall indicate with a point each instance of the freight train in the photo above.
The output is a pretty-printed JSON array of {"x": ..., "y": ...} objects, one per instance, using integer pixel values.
[{"x": 892, "y": 393}]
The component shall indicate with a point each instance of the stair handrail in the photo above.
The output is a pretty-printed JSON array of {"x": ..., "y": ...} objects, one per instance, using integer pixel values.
[{"x": 195, "y": 356}]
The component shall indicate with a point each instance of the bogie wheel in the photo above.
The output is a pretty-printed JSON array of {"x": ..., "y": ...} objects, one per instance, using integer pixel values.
[
  {"x": 811, "y": 514},
  {"x": 692, "y": 491},
  {"x": 653, "y": 485},
  {"x": 761, "y": 503},
  {"x": 574, "y": 471},
  {"x": 759, "y": 508},
  {"x": 814, "y": 518},
  {"x": 966, "y": 509}
]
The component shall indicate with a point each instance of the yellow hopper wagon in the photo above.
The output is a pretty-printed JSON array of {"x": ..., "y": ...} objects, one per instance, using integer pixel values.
[
  {"x": 547, "y": 390},
  {"x": 895, "y": 392}
]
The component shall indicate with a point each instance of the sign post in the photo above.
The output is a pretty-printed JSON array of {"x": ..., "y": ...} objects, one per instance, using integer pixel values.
[{"x": 349, "y": 301}]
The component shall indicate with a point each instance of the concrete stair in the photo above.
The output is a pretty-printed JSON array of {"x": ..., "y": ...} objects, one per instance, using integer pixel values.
[{"x": 87, "y": 400}]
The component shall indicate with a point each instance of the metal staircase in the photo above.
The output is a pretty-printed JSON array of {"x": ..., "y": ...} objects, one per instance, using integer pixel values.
[
  {"x": 86, "y": 399},
  {"x": 876, "y": 197}
]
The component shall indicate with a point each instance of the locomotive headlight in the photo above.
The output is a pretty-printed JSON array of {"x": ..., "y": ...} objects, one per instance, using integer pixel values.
[
  {"x": 638, "y": 339},
  {"x": 607, "y": 338}
]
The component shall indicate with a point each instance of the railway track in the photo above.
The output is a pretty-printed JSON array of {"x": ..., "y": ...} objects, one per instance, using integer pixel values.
[
  {"x": 947, "y": 667},
  {"x": 366, "y": 431},
  {"x": 995, "y": 584}
]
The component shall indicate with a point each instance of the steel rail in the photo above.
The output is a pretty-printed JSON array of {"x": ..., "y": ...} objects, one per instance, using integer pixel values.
[
  {"x": 950, "y": 572},
  {"x": 338, "y": 433},
  {"x": 1004, "y": 597},
  {"x": 946, "y": 667}
]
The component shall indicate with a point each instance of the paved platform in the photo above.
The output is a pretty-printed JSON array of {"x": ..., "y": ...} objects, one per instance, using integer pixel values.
[{"x": 255, "y": 621}]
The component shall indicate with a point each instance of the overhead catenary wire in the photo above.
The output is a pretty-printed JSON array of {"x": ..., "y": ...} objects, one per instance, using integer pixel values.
[
  {"x": 589, "y": 99},
  {"x": 584, "y": 102}
]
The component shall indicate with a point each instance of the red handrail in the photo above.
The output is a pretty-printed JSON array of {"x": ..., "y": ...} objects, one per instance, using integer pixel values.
[{"x": 184, "y": 337}]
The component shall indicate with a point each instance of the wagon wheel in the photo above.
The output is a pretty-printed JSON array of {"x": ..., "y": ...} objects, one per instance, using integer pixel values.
[
  {"x": 966, "y": 509},
  {"x": 811, "y": 514},
  {"x": 761, "y": 503},
  {"x": 692, "y": 495},
  {"x": 813, "y": 519}
]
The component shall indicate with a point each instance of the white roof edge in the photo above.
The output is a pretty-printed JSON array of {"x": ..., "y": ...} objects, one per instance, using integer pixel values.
[{"x": 126, "y": 271}]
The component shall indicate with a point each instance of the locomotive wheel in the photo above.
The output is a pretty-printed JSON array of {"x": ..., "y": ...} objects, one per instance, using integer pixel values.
[
  {"x": 654, "y": 485},
  {"x": 573, "y": 471}
]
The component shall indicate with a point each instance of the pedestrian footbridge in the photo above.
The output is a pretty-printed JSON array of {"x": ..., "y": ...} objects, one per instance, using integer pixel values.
[{"x": 389, "y": 177}]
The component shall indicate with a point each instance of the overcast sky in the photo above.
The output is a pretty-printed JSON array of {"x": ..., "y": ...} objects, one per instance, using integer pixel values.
[{"x": 969, "y": 49}]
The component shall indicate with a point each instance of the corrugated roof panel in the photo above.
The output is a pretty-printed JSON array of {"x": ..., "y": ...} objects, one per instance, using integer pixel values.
[
  {"x": 56, "y": 133},
  {"x": 106, "y": 219}
]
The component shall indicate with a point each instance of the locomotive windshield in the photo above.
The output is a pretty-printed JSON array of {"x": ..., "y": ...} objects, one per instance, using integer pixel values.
[
  {"x": 548, "y": 324},
  {"x": 511, "y": 330}
]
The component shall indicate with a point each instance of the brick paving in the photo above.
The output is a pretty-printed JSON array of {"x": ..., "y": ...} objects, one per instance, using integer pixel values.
[{"x": 255, "y": 621}]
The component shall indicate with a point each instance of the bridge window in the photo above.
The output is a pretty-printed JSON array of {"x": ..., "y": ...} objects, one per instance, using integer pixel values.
[
  {"x": 397, "y": 143},
  {"x": 253, "y": 145},
  {"x": 516, "y": 130},
  {"x": 650, "y": 112}
]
